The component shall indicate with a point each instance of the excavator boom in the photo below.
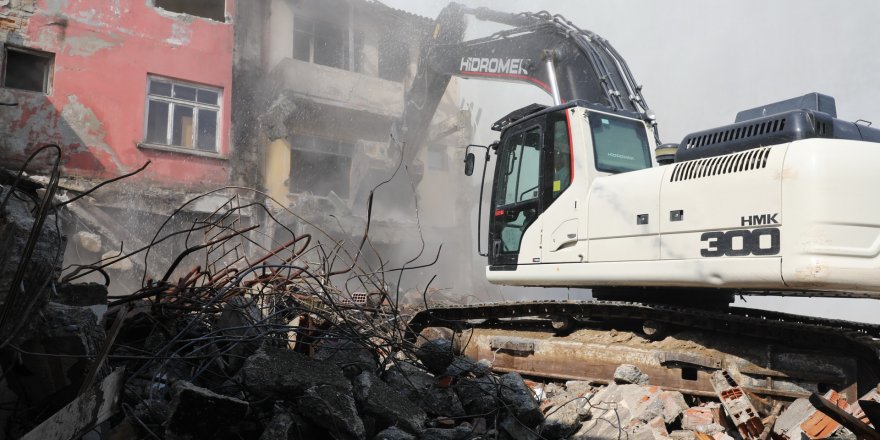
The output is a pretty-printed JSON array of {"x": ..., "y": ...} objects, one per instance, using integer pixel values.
[{"x": 542, "y": 50}]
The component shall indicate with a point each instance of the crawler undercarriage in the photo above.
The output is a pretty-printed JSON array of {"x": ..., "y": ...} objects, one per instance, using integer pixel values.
[{"x": 774, "y": 355}]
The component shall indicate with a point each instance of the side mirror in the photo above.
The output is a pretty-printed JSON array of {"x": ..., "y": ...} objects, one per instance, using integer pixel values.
[{"x": 469, "y": 164}]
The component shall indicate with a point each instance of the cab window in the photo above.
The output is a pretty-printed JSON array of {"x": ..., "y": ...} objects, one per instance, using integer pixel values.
[
  {"x": 620, "y": 145},
  {"x": 516, "y": 194},
  {"x": 521, "y": 182},
  {"x": 560, "y": 153}
]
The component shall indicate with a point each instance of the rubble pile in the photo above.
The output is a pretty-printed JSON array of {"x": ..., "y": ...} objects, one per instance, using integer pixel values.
[
  {"x": 303, "y": 341},
  {"x": 621, "y": 409}
]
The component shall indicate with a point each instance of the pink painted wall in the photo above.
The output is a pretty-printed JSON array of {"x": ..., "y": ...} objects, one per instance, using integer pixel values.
[{"x": 104, "y": 50}]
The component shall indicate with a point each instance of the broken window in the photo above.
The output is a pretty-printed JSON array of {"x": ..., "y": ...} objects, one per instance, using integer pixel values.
[
  {"x": 212, "y": 9},
  {"x": 182, "y": 114},
  {"x": 303, "y": 38},
  {"x": 327, "y": 42},
  {"x": 27, "y": 70},
  {"x": 319, "y": 165}
]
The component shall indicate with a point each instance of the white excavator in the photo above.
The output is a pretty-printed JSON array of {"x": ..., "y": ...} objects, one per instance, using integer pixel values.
[
  {"x": 585, "y": 195},
  {"x": 778, "y": 201}
]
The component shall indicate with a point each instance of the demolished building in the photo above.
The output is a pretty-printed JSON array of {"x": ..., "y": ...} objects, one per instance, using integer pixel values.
[
  {"x": 330, "y": 79},
  {"x": 299, "y": 100}
]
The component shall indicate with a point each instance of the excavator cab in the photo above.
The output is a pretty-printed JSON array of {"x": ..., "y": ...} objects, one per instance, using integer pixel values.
[{"x": 546, "y": 160}]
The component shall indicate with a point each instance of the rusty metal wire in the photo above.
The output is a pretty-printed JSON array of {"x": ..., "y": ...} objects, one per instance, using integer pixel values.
[
  {"x": 234, "y": 287},
  {"x": 240, "y": 278}
]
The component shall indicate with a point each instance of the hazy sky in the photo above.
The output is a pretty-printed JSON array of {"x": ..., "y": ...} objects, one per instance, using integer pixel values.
[{"x": 700, "y": 62}]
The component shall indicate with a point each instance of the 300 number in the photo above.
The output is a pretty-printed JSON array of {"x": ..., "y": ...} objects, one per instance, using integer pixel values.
[{"x": 725, "y": 243}]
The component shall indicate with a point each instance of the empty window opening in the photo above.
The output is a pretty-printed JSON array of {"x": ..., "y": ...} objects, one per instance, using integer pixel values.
[
  {"x": 212, "y": 9},
  {"x": 325, "y": 33},
  {"x": 319, "y": 166},
  {"x": 182, "y": 115},
  {"x": 27, "y": 70}
]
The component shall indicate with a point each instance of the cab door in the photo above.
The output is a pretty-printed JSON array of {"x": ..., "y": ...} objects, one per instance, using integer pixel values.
[
  {"x": 561, "y": 218},
  {"x": 516, "y": 201}
]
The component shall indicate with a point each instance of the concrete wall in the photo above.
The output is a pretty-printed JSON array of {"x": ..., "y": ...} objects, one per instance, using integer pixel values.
[
  {"x": 279, "y": 33},
  {"x": 104, "y": 50},
  {"x": 341, "y": 88}
]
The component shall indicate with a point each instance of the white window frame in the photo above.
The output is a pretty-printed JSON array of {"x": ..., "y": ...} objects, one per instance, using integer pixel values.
[
  {"x": 313, "y": 19},
  {"x": 169, "y": 130},
  {"x": 305, "y": 33}
]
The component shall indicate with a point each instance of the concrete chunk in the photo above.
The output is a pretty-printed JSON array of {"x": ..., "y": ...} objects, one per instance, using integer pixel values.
[
  {"x": 334, "y": 410},
  {"x": 479, "y": 396},
  {"x": 387, "y": 405},
  {"x": 460, "y": 365},
  {"x": 682, "y": 434},
  {"x": 674, "y": 405},
  {"x": 579, "y": 387},
  {"x": 351, "y": 357},
  {"x": 83, "y": 413},
  {"x": 457, "y": 433},
  {"x": 563, "y": 417},
  {"x": 289, "y": 426},
  {"x": 281, "y": 427},
  {"x": 58, "y": 329},
  {"x": 419, "y": 386},
  {"x": 655, "y": 429},
  {"x": 442, "y": 402},
  {"x": 788, "y": 424},
  {"x": 89, "y": 241},
  {"x": 515, "y": 393},
  {"x": 630, "y": 374},
  {"x": 286, "y": 374},
  {"x": 623, "y": 411},
  {"x": 436, "y": 355},
  {"x": 394, "y": 433},
  {"x": 517, "y": 429},
  {"x": 200, "y": 413}
]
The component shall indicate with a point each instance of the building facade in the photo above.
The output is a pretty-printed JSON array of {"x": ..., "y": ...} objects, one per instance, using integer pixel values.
[{"x": 118, "y": 83}]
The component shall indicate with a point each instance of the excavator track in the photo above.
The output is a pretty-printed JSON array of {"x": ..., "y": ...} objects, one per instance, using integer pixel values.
[{"x": 829, "y": 338}]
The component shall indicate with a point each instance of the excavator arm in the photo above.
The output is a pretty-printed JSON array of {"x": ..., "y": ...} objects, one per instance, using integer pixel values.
[{"x": 540, "y": 49}]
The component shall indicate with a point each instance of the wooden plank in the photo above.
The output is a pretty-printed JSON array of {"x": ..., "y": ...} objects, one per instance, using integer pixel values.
[
  {"x": 83, "y": 413},
  {"x": 855, "y": 425},
  {"x": 872, "y": 411}
]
